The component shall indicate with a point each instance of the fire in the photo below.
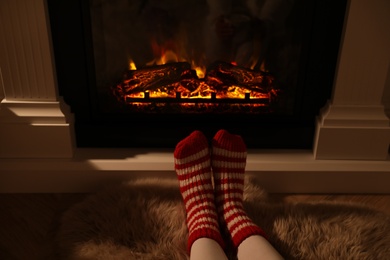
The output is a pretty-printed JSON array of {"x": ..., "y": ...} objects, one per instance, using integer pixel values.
[
  {"x": 170, "y": 78},
  {"x": 234, "y": 92},
  {"x": 168, "y": 56},
  {"x": 132, "y": 65},
  {"x": 164, "y": 53},
  {"x": 200, "y": 72},
  {"x": 179, "y": 81},
  {"x": 168, "y": 53}
]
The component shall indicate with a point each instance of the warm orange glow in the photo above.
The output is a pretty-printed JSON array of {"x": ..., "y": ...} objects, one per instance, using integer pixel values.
[
  {"x": 163, "y": 52},
  {"x": 200, "y": 72},
  {"x": 168, "y": 56},
  {"x": 233, "y": 92},
  {"x": 262, "y": 67},
  {"x": 253, "y": 63},
  {"x": 195, "y": 87},
  {"x": 158, "y": 94},
  {"x": 132, "y": 65},
  {"x": 169, "y": 76}
]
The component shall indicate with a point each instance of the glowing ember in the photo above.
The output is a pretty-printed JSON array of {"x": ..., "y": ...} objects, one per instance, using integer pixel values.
[
  {"x": 169, "y": 80},
  {"x": 178, "y": 81}
]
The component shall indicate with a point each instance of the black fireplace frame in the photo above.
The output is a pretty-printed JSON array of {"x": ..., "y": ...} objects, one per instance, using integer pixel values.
[{"x": 72, "y": 45}]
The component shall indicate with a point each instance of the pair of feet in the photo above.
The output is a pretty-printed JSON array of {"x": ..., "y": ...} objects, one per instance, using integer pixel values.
[{"x": 212, "y": 207}]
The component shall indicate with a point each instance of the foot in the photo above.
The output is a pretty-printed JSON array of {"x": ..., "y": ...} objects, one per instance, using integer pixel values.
[
  {"x": 192, "y": 166},
  {"x": 228, "y": 163}
]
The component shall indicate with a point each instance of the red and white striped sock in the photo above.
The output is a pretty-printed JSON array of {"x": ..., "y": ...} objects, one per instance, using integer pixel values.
[
  {"x": 228, "y": 162},
  {"x": 193, "y": 169}
]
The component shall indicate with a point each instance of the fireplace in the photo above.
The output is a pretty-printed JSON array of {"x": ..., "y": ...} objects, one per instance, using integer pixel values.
[
  {"x": 103, "y": 48},
  {"x": 350, "y": 153}
]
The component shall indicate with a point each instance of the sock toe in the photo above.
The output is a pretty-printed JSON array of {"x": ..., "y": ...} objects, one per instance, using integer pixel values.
[
  {"x": 193, "y": 143},
  {"x": 225, "y": 140}
]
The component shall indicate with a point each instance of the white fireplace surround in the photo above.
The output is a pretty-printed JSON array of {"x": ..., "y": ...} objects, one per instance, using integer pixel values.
[{"x": 38, "y": 152}]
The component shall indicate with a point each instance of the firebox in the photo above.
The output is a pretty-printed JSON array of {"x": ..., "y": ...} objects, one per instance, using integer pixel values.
[{"x": 146, "y": 73}]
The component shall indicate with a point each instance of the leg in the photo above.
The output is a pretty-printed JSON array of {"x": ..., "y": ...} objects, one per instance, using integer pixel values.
[
  {"x": 228, "y": 162},
  {"x": 192, "y": 165},
  {"x": 257, "y": 247},
  {"x": 205, "y": 249}
]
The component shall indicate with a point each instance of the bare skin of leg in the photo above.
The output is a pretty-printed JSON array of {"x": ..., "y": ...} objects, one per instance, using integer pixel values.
[
  {"x": 257, "y": 247},
  {"x": 207, "y": 249}
]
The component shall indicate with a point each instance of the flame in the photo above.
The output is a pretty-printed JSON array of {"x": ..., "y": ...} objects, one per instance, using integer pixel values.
[
  {"x": 200, "y": 72},
  {"x": 164, "y": 54},
  {"x": 168, "y": 52},
  {"x": 262, "y": 67},
  {"x": 199, "y": 69},
  {"x": 168, "y": 56},
  {"x": 203, "y": 91},
  {"x": 253, "y": 63},
  {"x": 132, "y": 65},
  {"x": 233, "y": 92}
]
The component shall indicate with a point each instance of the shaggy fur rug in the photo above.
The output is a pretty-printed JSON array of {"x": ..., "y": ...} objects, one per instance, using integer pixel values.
[{"x": 145, "y": 219}]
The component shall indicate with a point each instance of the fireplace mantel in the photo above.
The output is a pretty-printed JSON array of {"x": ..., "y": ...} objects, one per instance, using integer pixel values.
[{"x": 38, "y": 152}]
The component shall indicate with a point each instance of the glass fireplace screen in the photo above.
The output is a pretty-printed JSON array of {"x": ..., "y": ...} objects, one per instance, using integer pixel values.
[{"x": 198, "y": 56}]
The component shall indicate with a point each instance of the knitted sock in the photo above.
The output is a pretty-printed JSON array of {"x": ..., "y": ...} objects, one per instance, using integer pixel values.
[
  {"x": 192, "y": 165},
  {"x": 228, "y": 162}
]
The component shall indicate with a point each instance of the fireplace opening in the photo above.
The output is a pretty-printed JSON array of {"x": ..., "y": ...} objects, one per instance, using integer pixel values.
[{"x": 147, "y": 73}]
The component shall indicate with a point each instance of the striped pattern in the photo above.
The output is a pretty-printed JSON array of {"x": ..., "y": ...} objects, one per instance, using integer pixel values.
[
  {"x": 192, "y": 165},
  {"x": 228, "y": 162}
]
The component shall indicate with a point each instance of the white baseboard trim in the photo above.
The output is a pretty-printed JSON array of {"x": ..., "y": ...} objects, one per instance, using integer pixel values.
[
  {"x": 278, "y": 171},
  {"x": 352, "y": 132},
  {"x": 35, "y": 129}
]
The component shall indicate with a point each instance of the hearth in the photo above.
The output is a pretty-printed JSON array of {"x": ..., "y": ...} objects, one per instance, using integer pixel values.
[{"x": 137, "y": 74}]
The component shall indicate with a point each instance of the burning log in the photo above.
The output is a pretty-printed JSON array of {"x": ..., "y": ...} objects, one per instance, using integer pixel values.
[
  {"x": 222, "y": 75},
  {"x": 223, "y": 80},
  {"x": 152, "y": 78}
]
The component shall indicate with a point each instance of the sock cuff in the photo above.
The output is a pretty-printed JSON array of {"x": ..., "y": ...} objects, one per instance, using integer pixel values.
[
  {"x": 205, "y": 233},
  {"x": 246, "y": 232}
]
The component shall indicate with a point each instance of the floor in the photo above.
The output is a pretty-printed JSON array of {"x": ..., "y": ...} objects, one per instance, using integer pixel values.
[
  {"x": 379, "y": 202},
  {"x": 28, "y": 222}
]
